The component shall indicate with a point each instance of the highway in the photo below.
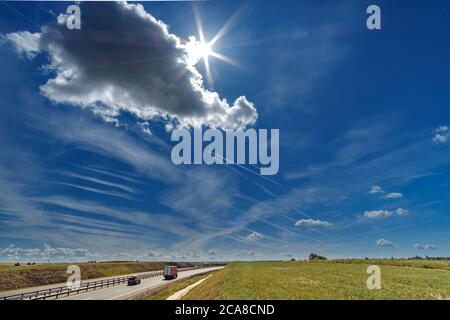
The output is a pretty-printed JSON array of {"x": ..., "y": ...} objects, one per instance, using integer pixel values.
[
  {"x": 124, "y": 292},
  {"x": 108, "y": 288}
]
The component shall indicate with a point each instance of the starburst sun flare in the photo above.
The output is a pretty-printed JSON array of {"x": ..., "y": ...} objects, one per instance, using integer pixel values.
[{"x": 202, "y": 50}]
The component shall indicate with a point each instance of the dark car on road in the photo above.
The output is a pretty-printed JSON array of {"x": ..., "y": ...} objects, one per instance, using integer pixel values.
[{"x": 134, "y": 280}]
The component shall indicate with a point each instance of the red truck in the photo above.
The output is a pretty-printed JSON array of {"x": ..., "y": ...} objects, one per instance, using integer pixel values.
[{"x": 170, "y": 272}]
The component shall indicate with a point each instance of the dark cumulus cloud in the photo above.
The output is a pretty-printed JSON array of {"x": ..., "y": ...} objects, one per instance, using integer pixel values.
[{"x": 124, "y": 59}]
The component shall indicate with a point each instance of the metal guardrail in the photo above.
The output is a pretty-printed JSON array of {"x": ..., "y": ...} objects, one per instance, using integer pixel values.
[{"x": 84, "y": 287}]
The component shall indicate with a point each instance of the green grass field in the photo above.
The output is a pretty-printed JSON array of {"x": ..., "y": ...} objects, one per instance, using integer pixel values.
[
  {"x": 400, "y": 279},
  {"x": 14, "y": 277}
]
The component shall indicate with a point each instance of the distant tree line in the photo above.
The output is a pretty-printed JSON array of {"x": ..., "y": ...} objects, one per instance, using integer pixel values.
[
  {"x": 428, "y": 258},
  {"x": 314, "y": 256}
]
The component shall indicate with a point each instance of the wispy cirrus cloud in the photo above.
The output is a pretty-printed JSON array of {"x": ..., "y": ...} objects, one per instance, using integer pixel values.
[
  {"x": 96, "y": 190},
  {"x": 98, "y": 181}
]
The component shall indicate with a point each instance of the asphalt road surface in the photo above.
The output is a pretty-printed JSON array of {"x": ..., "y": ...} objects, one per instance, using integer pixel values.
[{"x": 124, "y": 292}]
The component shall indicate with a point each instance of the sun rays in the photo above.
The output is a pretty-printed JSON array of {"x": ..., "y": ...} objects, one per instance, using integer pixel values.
[{"x": 203, "y": 50}]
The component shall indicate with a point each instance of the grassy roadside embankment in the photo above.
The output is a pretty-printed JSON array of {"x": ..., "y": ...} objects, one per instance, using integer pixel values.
[
  {"x": 209, "y": 289},
  {"x": 162, "y": 293}
]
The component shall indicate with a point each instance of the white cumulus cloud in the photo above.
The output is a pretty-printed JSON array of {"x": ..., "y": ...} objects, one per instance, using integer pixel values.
[
  {"x": 384, "y": 243},
  {"x": 401, "y": 212},
  {"x": 375, "y": 190},
  {"x": 24, "y": 42},
  {"x": 124, "y": 60},
  {"x": 373, "y": 214},
  {"x": 441, "y": 134},
  {"x": 254, "y": 236}
]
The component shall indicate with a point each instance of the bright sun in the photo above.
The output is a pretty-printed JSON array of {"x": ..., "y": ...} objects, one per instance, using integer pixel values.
[
  {"x": 200, "y": 50},
  {"x": 204, "y": 50}
]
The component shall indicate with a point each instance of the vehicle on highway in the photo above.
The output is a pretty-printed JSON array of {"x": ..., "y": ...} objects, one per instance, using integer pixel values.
[
  {"x": 134, "y": 280},
  {"x": 170, "y": 272}
]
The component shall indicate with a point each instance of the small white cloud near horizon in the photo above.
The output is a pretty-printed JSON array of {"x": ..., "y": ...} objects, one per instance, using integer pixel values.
[
  {"x": 385, "y": 243},
  {"x": 312, "y": 223},
  {"x": 154, "y": 254},
  {"x": 374, "y": 214},
  {"x": 254, "y": 236},
  {"x": 441, "y": 134},
  {"x": 375, "y": 190},
  {"x": 393, "y": 195},
  {"x": 424, "y": 246},
  {"x": 48, "y": 252},
  {"x": 401, "y": 212}
]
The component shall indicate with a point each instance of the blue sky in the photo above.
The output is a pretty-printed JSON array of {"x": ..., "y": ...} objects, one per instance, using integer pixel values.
[{"x": 363, "y": 116}]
